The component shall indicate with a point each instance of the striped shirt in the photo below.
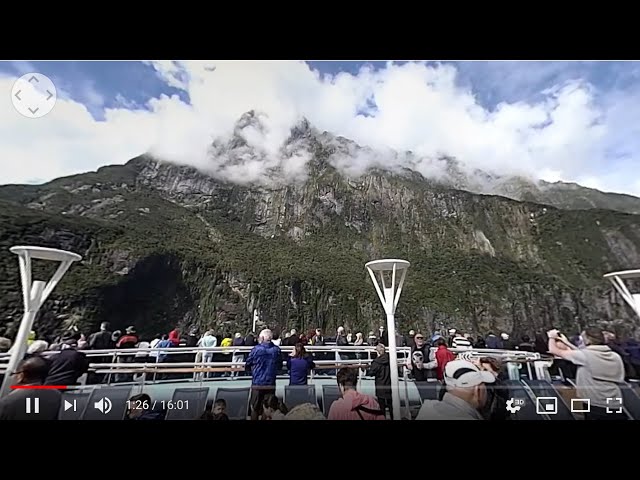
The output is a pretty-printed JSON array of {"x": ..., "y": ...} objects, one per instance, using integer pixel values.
[{"x": 461, "y": 342}]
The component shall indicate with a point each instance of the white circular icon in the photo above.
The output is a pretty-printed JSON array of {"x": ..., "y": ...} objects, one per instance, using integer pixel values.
[{"x": 33, "y": 95}]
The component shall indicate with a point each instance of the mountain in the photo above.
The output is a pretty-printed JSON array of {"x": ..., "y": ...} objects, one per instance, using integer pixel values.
[
  {"x": 559, "y": 194},
  {"x": 166, "y": 244}
]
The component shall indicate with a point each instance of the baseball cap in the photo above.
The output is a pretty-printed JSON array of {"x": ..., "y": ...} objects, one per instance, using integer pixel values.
[{"x": 464, "y": 374}]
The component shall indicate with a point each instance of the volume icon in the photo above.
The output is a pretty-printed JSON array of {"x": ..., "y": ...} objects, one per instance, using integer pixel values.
[{"x": 104, "y": 405}]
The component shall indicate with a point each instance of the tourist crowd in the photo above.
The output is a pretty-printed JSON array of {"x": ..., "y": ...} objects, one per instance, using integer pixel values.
[{"x": 470, "y": 388}]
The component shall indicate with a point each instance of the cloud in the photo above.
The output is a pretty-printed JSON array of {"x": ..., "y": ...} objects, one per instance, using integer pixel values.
[
  {"x": 91, "y": 96},
  {"x": 68, "y": 140},
  {"x": 169, "y": 71},
  {"x": 568, "y": 130}
]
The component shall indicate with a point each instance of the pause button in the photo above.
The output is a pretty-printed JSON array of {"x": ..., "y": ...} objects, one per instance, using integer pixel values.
[{"x": 33, "y": 405}]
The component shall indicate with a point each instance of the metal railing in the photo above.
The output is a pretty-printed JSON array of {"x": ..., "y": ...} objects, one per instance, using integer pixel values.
[
  {"x": 504, "y": 355},
  {"x": 123, "y": 363}
]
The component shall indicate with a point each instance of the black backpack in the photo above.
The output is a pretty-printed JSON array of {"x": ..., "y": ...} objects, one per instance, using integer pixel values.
[{"x": 359, "y": 409}]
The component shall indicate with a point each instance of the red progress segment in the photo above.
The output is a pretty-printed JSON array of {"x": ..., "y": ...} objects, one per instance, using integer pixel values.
[{"x": 38, "y": 387}]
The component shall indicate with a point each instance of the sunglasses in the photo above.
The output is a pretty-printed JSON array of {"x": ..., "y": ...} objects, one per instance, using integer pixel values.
[{"x": 419, "y": 338}]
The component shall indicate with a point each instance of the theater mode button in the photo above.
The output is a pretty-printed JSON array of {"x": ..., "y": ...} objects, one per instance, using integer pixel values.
[{"x": 580, "y": 405}]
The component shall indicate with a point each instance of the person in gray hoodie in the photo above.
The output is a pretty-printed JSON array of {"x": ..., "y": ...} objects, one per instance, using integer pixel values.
[{"x": 599, "y": 375}]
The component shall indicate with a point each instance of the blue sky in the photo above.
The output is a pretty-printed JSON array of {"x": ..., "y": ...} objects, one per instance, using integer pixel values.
[
  {"x": 100, "y": 85},
  {"x": 591, "y": 109}
]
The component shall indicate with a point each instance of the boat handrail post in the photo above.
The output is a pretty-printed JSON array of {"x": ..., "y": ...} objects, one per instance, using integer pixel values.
[
  {"x": 513, "y": 370},
  {"x": 34, "y": 294},
  {"x": 405, "y": 379},
  {"x": 389, "y": 297},
  {"x": 542, "y": 370},
  {"x": 142, "y": 381}
]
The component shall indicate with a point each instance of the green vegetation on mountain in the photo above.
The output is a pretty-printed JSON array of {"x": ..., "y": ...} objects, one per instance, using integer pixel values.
[{"x": 165, "y": 245}]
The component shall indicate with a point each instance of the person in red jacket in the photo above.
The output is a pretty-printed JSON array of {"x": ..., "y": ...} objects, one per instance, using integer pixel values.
[
  {"x": 443, "y": 356},
  {"x": 174, "y": 337}
]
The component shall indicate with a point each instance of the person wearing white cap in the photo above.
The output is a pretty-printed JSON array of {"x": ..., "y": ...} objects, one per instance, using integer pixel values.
[
  {"x": 452, "y": 334},
  {"x": 466, "y": 394}
]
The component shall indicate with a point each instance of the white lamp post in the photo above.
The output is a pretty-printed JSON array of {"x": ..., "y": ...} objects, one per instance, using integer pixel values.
[
  {"x": 617, "y": 279},
  {"x": 256, "y": 317},
  {"x": 389, "y": 296},
  {"x": 34, "y": 294}
]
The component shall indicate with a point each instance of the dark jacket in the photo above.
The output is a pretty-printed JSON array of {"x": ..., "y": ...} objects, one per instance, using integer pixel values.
[
  {"x": 381, "y": 371},
  {"x": 101, "y": 341},
  {"x": 299, "y": 369},
  {"x": 66, "y": 367},
  {"x": 341, "y": 341},
  {"x": 496, "y": 406},
  {"x": 209, "y": 415},
  {"x": 494, "y": 341},
  {"x": 149, "y": 415},
  {"x": 527, "y": 347},
  {"x": 264, "y": 361},
  {"x": 480, "y": 343},
  {"x": 629, "y": 368},
  {"x": 249, "y": 340},
  {"x": 541, "y": 343},
  {"x": 238, "y": 342},
  {"x": 419, "y": 357}
]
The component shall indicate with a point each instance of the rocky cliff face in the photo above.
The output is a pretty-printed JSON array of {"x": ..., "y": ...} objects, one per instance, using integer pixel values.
[
  {"x": 559, "y": 194},
  {"x": 166, "y": 244}
]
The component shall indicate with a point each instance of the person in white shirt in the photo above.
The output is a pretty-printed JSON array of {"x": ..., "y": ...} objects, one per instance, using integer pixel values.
[
  {"x": 153, "y": 344},
  {"x": 208, "y": 341}
]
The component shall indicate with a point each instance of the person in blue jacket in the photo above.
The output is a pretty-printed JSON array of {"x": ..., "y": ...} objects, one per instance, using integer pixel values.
[
  {"x": 299, "y": 364},
  {"x": 264, "y": 361}
]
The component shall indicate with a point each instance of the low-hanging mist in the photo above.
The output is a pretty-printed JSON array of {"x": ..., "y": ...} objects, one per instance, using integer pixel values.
[{"x": 568, "y": 130}]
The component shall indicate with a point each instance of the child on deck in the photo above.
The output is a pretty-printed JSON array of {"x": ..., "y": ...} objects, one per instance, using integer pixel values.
[
  {"x": 217, "y": 412},
  {"x": 273, "y": 408}
]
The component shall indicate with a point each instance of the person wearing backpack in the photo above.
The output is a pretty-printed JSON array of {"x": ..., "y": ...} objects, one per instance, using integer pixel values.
[{"x": 353, "y": 405}]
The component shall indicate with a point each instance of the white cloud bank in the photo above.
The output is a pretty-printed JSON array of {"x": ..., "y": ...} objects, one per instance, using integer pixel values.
[{"x": 573, "y": 133}]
